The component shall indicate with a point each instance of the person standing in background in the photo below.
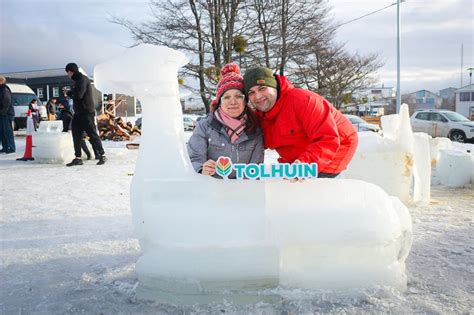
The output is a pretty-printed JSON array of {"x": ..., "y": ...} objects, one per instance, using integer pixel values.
[
  {"x": 35, "y": 112},
  {"x": 51, "y": 109},
  {"x": 84, "y": 115},
  {"x": 65, "y": 109},
  {"x": 7, "y": 114}
]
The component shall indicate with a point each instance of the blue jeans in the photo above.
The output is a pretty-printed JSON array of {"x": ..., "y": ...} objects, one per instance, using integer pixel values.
[{"x": 6, "y": 133}]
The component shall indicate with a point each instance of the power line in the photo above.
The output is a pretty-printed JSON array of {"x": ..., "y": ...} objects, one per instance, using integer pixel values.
[{"x": 365, "y": 15}]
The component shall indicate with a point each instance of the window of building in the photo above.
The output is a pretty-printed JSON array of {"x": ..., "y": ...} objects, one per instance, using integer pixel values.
[
  {"x": 376, "y": 91},
  {"x": 430, "y": 100},
  {"x": 56, "y": 91},
  {"x": 419, "y": 101},
  {"x": 464, "y": 97},
  {"x": 39, "y": 91},
  {"x": 420, "y": 94}
]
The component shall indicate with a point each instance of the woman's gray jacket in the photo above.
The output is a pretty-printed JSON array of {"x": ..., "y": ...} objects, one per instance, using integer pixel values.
[{"x": 210, "y": 140}]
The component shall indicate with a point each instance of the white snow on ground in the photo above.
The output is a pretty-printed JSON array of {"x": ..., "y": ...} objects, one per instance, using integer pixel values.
[{"x": 67, "y": 246}]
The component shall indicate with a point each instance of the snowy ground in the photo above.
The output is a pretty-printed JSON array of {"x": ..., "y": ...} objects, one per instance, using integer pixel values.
[{"x": 67, "y": 247}]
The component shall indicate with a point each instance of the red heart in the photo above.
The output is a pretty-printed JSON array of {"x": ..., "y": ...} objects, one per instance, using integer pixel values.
[{"x": 224, "y": 161}]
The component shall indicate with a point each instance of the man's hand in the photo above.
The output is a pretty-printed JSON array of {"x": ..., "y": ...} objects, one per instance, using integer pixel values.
[{"x": 209, "y": 167}]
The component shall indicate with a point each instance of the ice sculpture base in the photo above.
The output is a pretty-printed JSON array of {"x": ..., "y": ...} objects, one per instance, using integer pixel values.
[
  {"x": 196, "y": 274},
  {"x": 189, "y": 292},
  {"x": 357, "y": 267},
  {"x": 452, "y": 168}
]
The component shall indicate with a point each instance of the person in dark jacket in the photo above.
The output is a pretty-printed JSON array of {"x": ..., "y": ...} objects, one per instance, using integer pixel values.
[
  {"x": 35, "y": 112},
  {"x": 84, "y": 115},
  {"x": 302, "y": 126},
  {"x": 66, "y": 116},
  {"x": 7, "y": 114},
  {"x": 51, "y": 109},
  {"x": 65, "y": 111},
  {"x": 231, "y": 129}
]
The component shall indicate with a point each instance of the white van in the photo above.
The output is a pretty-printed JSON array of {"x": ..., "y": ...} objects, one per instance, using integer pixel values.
[{"x": 21, "y": 98}]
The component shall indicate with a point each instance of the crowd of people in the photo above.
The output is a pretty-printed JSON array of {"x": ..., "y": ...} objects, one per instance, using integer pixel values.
[
  {"x": 249, "y": 113},
  {"x": 74, "y": 108}
]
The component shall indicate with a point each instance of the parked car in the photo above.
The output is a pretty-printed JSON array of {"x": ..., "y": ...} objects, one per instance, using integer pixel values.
[
  {"x": 189, "y": 122},
  {"x": 362, "y": 125},
  {"x": 443, "y": 123},
  {"x": 22, "y": 95}
]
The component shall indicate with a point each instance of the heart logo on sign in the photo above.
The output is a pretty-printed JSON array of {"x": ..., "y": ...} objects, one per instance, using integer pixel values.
[
  {"x": 224, "y": 161},
  {"x": 224, "y": 166}
]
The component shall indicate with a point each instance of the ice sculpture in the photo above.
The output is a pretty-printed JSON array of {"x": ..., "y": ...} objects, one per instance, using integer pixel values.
[
  {"x": 209, "y": 240},
  {"x": 200, "y": 236},
  {"x": 51, "y": 144},
  {"x": 392, "y": 161},
  {"x": 421, "y": 169},
  {"x": 454, "y": 167},
  {"x": 437, "y": 144}
]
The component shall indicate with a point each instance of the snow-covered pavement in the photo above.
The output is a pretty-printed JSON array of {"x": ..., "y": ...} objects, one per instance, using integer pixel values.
[{"x": 67, "y": 246}]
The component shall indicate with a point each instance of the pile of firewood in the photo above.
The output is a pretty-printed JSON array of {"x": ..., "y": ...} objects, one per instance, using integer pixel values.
[{"x": 115, "y": 129}]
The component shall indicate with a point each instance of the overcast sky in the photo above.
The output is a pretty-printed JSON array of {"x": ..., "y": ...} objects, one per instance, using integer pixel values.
[{"x": 46, "y": 34}]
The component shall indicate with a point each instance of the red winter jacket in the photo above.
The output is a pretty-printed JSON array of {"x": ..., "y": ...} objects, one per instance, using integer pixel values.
[{"x": 303, "y": 125}]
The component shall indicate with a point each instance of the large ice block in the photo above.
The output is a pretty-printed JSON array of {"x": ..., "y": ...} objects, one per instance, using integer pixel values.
[
  {"x": 437, "y": 144},
  {"x": 422, "y": 169},
  {"x": 51, "y": 145},
  {"x": 395, "y": 160},
  {"x": 329, "y": 242},
  {"x": 384, "y": 162},
  {"x": 454, "y": 167}
]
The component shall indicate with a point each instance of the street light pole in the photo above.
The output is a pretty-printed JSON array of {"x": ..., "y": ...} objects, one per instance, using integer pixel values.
[
  {"x": 470, "y": 92},
  {"x": 399, "y": 97}
]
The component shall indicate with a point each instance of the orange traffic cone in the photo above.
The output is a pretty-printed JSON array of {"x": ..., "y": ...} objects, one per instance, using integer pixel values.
[{"x": 28, "y": 156}]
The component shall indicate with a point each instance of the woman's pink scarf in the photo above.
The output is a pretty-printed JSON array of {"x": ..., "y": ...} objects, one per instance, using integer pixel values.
[{"x": 235, "y": 127}]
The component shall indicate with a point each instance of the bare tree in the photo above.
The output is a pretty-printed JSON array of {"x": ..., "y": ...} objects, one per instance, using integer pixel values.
[
  {"x": 332, "y": 72},
  {"x": 283, "y": 30},
  {"x": 203, "y": 28},
  {"x": 292, "y": 37}
]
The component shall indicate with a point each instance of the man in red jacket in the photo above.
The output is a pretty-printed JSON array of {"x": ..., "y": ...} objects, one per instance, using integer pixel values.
[{"x": 302, "y": 126}]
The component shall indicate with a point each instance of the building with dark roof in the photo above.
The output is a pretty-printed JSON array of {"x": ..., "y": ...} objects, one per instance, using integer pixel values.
[{"x": 49, "y": 83}]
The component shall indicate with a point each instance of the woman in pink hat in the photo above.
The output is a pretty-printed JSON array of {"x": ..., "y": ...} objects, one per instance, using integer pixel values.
[{"x": 231, "y": 129}]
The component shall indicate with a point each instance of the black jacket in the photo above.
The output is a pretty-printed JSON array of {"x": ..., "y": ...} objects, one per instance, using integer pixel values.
[
  {"x": 82, "y": 94},
  {"x": 6, "y": 106},
  {"x": 51, "y": 108}
]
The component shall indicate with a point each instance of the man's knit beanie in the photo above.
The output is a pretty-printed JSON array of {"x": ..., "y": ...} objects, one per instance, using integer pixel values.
[
  {"x": 72, "y": 67},
  {"x": 259, "y": 76},
  {"x": 230, "y": 79}
]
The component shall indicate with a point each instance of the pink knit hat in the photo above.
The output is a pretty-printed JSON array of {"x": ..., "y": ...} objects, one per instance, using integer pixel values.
[{"x": 230, "y": 79}]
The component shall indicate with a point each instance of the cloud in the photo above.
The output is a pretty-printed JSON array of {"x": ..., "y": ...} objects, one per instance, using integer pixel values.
[
  {"x": 77, "y": 31},
  {"x": 431, "y": 36}
]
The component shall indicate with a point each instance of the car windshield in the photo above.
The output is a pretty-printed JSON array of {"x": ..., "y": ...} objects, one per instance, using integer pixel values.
[
  {"x": 356, "y": 120},
  {"x": 455, "y": 117},
  {"x": 22, "y": 99}
]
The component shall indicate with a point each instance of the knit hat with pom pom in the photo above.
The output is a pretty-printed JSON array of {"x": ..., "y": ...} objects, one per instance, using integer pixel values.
[{"x": 230, "y": 79}]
